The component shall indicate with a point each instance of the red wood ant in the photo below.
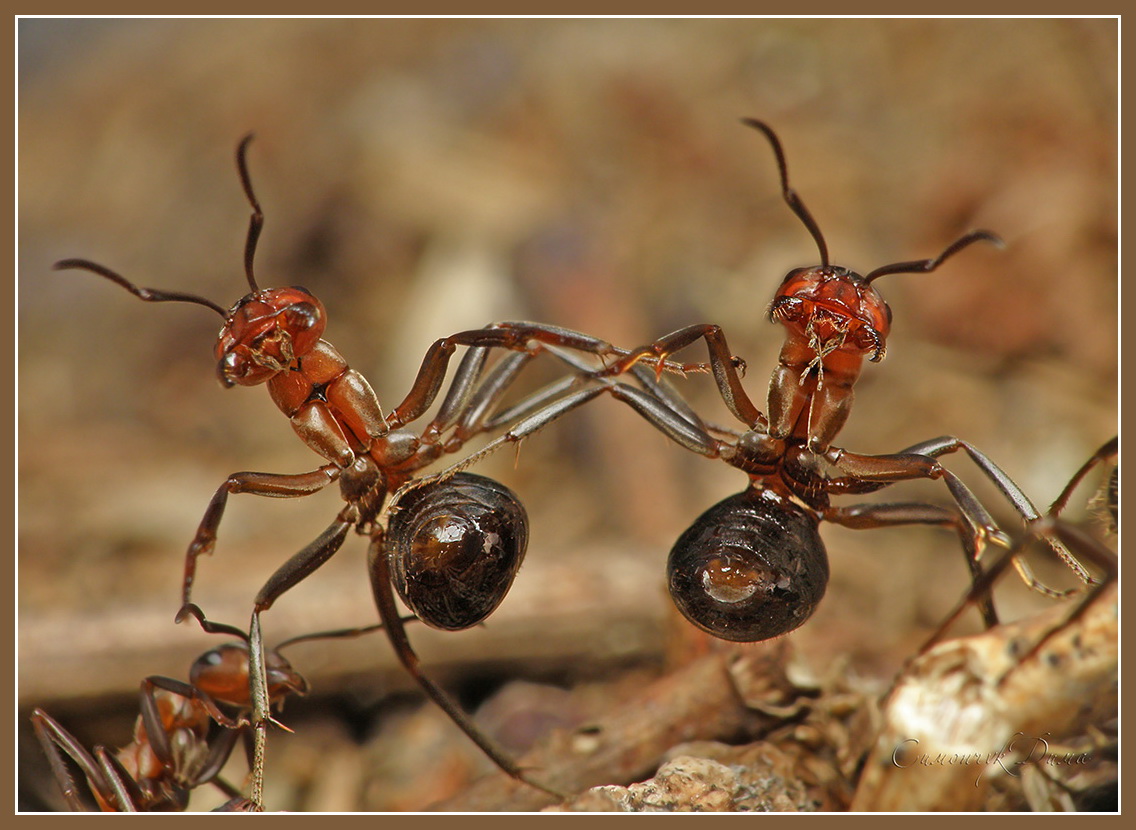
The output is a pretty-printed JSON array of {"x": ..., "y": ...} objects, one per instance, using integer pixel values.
[
  {"x": 753, "y": 566},
  {"x": 177, "y": 745},
  {"x": 452, "y": 550}
]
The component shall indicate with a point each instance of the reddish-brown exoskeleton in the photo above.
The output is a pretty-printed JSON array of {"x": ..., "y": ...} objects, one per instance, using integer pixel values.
[
  {"x": 182, "y": 738},
  {"x": 753, "y": 566},
  {"x": 453, "y": 547}
]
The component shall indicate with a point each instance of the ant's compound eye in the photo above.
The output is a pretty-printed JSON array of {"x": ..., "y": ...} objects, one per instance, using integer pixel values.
[
  {"x": 238, "y": 367},
  {"x": 455, "y": 547},
  {"x": 305, "y": 323},
  {"x": 749, "y": 568},
  {"x": 302, "y": 316}
]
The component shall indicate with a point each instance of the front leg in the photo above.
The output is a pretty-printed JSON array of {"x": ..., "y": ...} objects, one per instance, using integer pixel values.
[
  {"x": 261, "y": 484},
  {"x": 517, "y": 337},
  {"x": 724, "y": 366}
]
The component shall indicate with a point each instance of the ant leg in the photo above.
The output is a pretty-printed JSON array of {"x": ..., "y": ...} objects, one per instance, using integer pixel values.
[
  {"x": 261, "y": 712},
  {"x": 723, "y": 364},
  {"x": 341, "y": 633},
  {"x": 471, "y": 399},
  {"x": 236, "y": 804},
  {"x": 219, "y": 754},
  {"x": 869, "y": 516},
  {"x": 514, "y": 336},
  {"x": 54, "y": 738},
  {"x": 651, "y": 382},
  {"x": 260, "y": 484},
  {"x": 919, "y": 461},
  {"x": 479, "y": 413},
  {"x": 519, "y": 431},
  {"x": 299, "y": 567},
  {"x": 125, "y": 789},
  {"x": 378, "y": 565},
  {"x": 948, "y": 444},
  {"x": 694, "y": 437},
  {"x": 1107, "y": 452},
  {"x": 463, "y": 385},
  {"x": 152, "y": 718},
  {"x": 1046, "y": 528},
  {"x": 666, "y": 403},
  {"x": 208, "y": 626}
]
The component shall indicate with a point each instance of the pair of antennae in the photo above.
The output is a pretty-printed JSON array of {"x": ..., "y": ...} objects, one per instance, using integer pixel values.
[
  {"x": 154, "y": 295},
  {"x": 256, "y": 225},
  {"x": 798, "y": 207}
]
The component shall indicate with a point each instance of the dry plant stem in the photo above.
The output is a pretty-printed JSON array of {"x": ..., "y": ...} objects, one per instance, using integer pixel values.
[
  {"x": 705, "y": 700},
  {"x": 971, "y": 700}
]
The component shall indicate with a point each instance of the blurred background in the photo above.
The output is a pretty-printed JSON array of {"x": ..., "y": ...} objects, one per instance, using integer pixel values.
[{"x": 427, "y": 176}]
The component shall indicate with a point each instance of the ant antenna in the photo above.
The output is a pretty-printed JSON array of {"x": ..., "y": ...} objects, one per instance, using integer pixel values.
[
  {"x": 192, "y": 610},
  {"x": 790, "y": 195},
  {"x": 256, "y": 221},
  {"x": 923, "y": 266},
  {"x": 150, "y": 295},
  {"x": 339, "y": 633}
]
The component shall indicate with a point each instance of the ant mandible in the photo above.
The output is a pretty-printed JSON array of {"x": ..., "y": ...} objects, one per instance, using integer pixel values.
[
  {"x": 455, "y": 547},
  {"x": 753, "y": 566}
]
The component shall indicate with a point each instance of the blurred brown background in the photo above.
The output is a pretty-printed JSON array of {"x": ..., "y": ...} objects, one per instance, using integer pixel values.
[{"x": 427, "y": 176}]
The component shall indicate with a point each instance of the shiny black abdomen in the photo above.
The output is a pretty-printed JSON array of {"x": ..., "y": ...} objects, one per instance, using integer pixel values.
[
  {"x": 455, "y": 547},
  {"x": 749, "y": 568}
]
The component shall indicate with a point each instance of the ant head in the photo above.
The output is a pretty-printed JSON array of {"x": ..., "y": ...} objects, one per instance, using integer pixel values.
[
  {"x": 266, "y": 331},
  {"x": 222, "y": 673},
  {"x": 830, "y": 304}
]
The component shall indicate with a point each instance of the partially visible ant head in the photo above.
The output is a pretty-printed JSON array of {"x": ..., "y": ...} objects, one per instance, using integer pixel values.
[
  {"x": 223, "y": 674},
  {"x": 827, "y": 303},
  {"x": 266, "y": 331}
]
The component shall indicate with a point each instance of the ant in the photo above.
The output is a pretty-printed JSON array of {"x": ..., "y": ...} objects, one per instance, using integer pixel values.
[
  {"x": 754, "y": 566},
  {"x": 175, "y": 747},
  {"x": 452, "y": 550}
]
